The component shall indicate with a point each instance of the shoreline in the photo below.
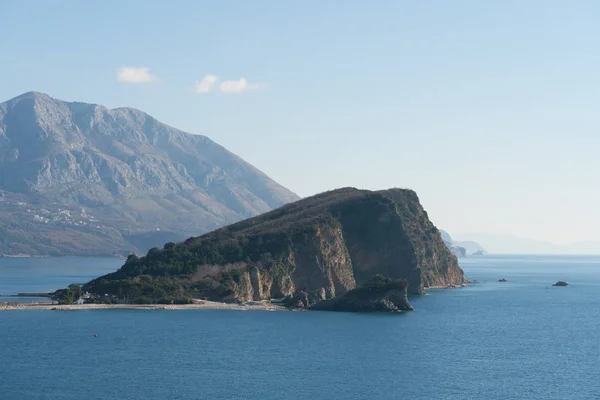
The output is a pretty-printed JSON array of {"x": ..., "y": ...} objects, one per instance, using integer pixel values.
[
  {"x": 197, "y": 305},
  {"x": 204, "y": 305},
  {"x": 425, "y": 289}
]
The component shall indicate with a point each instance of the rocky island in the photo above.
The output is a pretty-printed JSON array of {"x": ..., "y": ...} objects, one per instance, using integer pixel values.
[{"x": 316, "y": 249}]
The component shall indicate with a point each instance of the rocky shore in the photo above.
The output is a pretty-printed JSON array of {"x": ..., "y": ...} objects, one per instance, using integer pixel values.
[{"x": 379, "y": 294}]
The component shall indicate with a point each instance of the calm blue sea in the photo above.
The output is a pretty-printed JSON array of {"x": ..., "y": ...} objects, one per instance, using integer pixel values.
[
  {"x": 43, "y": 275},
  {"x": 522, "y": 339}
]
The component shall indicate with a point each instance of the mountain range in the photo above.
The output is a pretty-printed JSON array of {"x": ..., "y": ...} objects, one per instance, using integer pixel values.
[{"x": 82, "y": 179}]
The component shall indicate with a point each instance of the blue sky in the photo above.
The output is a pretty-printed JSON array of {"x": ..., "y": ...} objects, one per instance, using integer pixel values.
[{"x": 489, "y": 110}]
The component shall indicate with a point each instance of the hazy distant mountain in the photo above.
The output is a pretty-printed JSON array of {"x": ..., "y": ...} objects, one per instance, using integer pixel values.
[
  {"x": 507, "y": 244},
  {"x": 446, "y": 236},
  {"x": 79, "y": 178},
  {"x": 461, "y": 248}
]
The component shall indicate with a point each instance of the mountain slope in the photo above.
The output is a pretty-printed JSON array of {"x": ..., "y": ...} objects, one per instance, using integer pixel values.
[
  {"x": 119, "y": 174},
  {"x": 324, "y": 245}
]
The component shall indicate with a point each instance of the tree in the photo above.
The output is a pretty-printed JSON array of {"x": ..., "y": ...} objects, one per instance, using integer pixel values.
[
  {"x": 76, "y": 291},
  {"x": 68, "y": 297}
]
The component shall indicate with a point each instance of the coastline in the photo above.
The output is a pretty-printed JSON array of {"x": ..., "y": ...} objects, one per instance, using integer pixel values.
[
  {"x": 425, "y": 289},
  {"x": 204, "y": 305},
  {"x": 197, "y": 305}
]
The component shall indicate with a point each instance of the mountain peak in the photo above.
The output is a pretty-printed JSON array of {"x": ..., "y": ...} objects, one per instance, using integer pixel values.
[
  {"x": 123, "y": 166},
  {"x": 32, "y": 95}
]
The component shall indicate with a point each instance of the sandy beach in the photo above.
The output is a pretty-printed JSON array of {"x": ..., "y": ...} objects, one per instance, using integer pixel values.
[{"x": 208, "y": 305}]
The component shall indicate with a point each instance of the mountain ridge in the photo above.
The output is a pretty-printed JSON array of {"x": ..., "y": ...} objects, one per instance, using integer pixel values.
[{"x": 130, "y": 169}]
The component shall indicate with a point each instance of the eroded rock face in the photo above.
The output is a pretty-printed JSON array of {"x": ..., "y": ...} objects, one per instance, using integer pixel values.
[
  {"x": 378, "y": 295},
  {"x": 261, "y": 284}
]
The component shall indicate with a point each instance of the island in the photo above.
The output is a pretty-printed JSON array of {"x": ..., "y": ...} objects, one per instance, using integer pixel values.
[
  {"x": 561, "y": 283},
  {"x": 313, "y": 250}
]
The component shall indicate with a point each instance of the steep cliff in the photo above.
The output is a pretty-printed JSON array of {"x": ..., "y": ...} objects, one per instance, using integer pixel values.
[{"x": 325, "y": 245}]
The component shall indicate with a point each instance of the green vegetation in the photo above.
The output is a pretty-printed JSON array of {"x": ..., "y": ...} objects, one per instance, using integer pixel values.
[
  {"x": 68, "y": 295},
  {"x": 379, "y": 282}
]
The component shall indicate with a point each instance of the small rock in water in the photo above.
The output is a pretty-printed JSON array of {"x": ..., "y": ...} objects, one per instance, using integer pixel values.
[
  {"x": 561, "y": 283},
  {"x": 502, "y": 280}
]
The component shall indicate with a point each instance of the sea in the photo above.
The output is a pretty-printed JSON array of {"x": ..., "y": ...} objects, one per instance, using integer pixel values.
[{"x": 519, "y": 339}]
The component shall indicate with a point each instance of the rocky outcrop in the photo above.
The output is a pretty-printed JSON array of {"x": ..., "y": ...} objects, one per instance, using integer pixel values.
[
  {"x": 380, "y": 294},
  {"x": 324, "y": 246},
  {"x": 82, "y": 179},
  {"x": 561, "y": 283},
  {"x": 298, "y": 300}
]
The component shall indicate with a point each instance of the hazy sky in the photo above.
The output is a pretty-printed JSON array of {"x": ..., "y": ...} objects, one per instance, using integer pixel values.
[{"x": 489, "y": 110}]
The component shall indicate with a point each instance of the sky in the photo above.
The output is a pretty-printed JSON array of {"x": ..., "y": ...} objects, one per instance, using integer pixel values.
[{"x": 488, "y": 110}]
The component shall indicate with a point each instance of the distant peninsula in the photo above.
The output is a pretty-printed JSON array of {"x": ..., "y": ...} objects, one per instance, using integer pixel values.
[
  {"x": 462, "y": 248},
  {"x": 322, "y": 247}
]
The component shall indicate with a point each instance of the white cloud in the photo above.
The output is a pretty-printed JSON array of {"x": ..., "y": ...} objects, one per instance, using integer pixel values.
[
  {"x": 205, "y": 84},
  {"x": 238, "y": 86},
  {"x": 135, "y": 75}
]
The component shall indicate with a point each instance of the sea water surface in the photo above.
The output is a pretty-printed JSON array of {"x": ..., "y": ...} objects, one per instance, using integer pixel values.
[
  {"x": 522, "y": 339},
  {"x": 47, "y": 274}
]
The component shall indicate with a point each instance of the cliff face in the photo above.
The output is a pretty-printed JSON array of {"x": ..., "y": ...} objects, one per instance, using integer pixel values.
[{"x": 325, "y": 245}]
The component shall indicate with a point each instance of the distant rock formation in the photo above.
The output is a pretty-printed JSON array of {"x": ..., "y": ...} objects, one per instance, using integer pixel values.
[
  {"x": 458, "y": 251},
  {"x": 462, "y": 248},
  {"x": 561, "y": 283},
  {"x": 472, "y": 248}
]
